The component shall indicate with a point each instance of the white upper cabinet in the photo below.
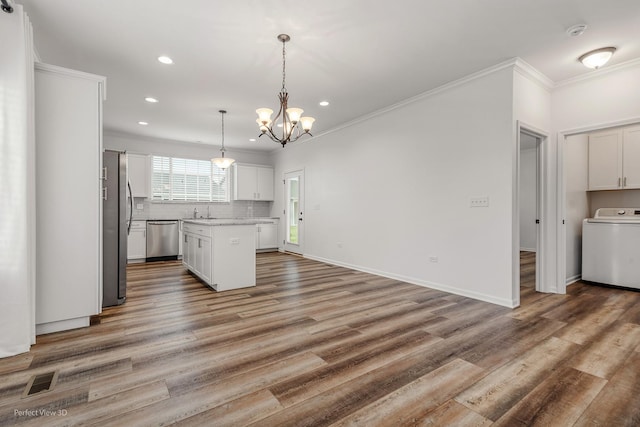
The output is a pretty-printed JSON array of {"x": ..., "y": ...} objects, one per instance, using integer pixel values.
[
  {"x": 631, "y": 157},
  {"x": 139, "y": 171},
  {"x": 614, "y": 159},
  {"x": 253, "y": 182}
]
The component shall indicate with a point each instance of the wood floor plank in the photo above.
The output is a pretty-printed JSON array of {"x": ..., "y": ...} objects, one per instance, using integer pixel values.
[
  {"x": 559, "y": 400},
  {"x": 618, "y": 403},
  {"x": 608, "y": 352},
  {"x": 496, "y": 393},
  {"x": 453, "y": 413},
  {"x": 411, "y": 403}
]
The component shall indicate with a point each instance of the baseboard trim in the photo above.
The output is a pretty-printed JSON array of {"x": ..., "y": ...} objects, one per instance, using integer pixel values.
[
  {"x": 62, "y": 325},
  {"x": 574, "y": 279},
  {"x": 424, "y": 283}
]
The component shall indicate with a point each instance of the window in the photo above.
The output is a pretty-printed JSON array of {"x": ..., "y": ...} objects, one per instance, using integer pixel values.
[{"x": 188, "y": 180}]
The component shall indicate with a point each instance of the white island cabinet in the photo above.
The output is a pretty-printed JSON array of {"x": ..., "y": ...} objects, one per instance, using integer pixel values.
[{"x": 221, "y": 253}]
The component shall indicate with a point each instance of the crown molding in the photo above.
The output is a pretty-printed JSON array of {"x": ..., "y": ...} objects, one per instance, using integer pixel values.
[{"x": 598, "y": 73}]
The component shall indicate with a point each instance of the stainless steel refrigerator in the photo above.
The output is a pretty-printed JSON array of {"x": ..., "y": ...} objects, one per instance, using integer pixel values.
[{"x": 115, "y": 227}]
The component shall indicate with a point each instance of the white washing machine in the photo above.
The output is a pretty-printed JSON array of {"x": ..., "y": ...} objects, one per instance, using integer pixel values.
[{"x": 611, "y": 247}]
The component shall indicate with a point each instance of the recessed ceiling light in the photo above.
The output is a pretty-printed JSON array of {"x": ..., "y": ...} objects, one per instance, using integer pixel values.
[
  {"x": 151, "y": 100},
  {"x": 252, "y": 139},
  {"x": 279, "y": 125},
  {"x": 143, "y": 123},
  {"x": 165, "y": 60},
  {"x": 324, "y": 103}
]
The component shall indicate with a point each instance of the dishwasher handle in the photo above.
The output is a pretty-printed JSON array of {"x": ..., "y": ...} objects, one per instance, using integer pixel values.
[{"x": 162, "y": 222}]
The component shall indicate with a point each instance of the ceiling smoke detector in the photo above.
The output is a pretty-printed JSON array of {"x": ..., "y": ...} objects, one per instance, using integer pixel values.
[{"x": 576, "y": 30}]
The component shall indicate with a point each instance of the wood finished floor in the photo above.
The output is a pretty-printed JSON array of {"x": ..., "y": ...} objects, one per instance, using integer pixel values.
[{"x": 320, "y": 345}]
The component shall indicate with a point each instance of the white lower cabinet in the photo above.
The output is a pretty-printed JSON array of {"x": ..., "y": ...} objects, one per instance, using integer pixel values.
[
  {"x": 267, "y": 236},
  {"x": 137, "y": 241}
]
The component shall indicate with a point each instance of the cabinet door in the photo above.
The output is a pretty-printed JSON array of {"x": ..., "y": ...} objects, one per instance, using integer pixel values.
[
  {"x": 137, "y": 244},
  {"x": 264, "y": 183},
  {"x": 268, "y": 236},
  {"x": 245, "y": 178},
  {"x": 139, "y": 175},
  {"x": 185, "y": 250},
  {"x": 205, "y": 259},
  {"x": 631, "y": 158},
  {"x": 605, "y": 160},
  {"x": 192, "y": 246}
]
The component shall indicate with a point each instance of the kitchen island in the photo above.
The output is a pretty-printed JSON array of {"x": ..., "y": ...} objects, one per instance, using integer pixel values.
[{"x": 221, "y": 252}]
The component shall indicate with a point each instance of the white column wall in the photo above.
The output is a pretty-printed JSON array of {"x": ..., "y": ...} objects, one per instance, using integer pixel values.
[
  {"x": 394, "y": 190},
  {"x": 17, "y": 148}
]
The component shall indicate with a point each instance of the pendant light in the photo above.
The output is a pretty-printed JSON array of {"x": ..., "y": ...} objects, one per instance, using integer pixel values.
[
  {"x": 288, "y": 118},
  {"x": 222, "y": 162}
]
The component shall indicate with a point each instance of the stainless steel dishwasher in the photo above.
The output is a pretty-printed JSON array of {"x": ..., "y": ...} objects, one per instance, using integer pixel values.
[{"x": 162, "y": 240}]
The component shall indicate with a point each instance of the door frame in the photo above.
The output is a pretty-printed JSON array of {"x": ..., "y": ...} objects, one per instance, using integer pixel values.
[
  {"x": 541, "y": 196},
  {"x": 292, "y": 247},
  {"x": 561, "y": 189}
]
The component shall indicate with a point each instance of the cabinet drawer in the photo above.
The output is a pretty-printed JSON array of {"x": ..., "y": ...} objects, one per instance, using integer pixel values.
[
  {"x": 200, "y": 230},
  {"x": 138, "y": 225}
]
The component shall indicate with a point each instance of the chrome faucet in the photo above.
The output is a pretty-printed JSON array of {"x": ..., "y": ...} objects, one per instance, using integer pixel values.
[{"x": 195, "y": 212}]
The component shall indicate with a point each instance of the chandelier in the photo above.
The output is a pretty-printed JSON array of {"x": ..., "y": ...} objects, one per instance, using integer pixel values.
[
  {"x": 222, "y": 162},
  {"x": 289, "y": 119}
]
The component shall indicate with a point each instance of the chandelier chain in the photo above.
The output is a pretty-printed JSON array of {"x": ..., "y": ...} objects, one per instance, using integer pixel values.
[{"x": 284, "y": 89}]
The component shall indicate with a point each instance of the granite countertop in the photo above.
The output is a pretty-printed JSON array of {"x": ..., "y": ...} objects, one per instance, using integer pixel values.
[{"x": 226, "y": 221}]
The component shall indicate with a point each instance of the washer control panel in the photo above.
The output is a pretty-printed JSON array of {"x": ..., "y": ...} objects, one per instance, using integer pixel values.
[{"x": 626, "y": 213}]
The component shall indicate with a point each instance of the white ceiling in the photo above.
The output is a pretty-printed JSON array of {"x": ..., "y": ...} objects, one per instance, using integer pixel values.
[{"x": 361, "y": 55}]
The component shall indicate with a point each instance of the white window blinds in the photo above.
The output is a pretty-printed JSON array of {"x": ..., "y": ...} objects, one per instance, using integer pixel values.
[{"x": 188, "y": 180}]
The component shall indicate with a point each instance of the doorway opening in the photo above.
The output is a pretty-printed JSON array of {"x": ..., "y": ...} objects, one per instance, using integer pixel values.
[
  {"x": 530, "y": 225},
  {"x": 529, "y": 193}
]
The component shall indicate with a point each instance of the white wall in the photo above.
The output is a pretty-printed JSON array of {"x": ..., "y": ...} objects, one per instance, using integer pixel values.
[
  {"x": 576, "y": 168},
  {"x": 17, "y": 180},
  {"x": 528, "y": 200},
  {"x": 394, "y": 189}
]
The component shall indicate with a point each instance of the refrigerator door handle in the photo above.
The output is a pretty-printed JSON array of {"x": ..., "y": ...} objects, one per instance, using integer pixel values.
[{"x": 131, "y": 207}]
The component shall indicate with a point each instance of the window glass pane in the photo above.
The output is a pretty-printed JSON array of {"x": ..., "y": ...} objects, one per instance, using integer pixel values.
[{"x": 188, "y": 180}]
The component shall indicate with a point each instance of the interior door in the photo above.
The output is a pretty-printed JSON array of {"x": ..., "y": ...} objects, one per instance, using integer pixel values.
[{"x": 294, "y": 212}]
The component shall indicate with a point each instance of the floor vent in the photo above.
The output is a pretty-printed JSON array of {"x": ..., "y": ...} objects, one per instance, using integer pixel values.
[{"x": 41, "y": 383}]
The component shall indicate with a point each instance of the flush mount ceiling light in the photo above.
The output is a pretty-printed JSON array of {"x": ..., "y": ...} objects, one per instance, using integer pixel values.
[
  {"x": 143, "y": 123},
  {"x": 151, "y": 99},
  {"x": 289, "y": 119},
  {"x": 165, "y": 60},
  {"x": 597, "y": 58},
  {"x": 222, "y": 162}
]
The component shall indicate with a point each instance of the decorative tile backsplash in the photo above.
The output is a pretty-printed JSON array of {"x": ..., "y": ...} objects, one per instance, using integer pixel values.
[{"x": 177, "y": 210}]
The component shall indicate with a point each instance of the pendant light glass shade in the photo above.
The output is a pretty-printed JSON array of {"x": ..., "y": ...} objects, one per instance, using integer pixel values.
[{"x": 222, "y": 162}]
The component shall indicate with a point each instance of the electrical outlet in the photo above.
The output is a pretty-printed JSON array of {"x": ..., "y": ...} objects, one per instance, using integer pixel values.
[
  {"x": 479, "y": 202},
  {"x": 433, "y": 258},
  {"x": 139, "y": 206}
]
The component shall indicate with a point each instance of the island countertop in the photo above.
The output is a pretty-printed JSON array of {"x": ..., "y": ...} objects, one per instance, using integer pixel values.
[{"x": 230, "y": 221}]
